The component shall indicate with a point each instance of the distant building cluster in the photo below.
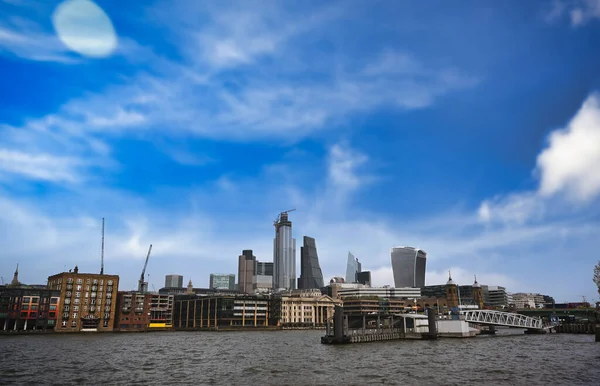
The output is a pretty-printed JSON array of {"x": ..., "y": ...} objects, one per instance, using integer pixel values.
[{"x": 267, "y": 294}]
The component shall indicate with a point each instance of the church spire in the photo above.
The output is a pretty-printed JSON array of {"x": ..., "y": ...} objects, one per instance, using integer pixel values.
[{"x": 15, "y": 280}]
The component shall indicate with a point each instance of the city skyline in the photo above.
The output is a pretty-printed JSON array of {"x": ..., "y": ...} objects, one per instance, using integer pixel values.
[{"x": 191, "y": 130}]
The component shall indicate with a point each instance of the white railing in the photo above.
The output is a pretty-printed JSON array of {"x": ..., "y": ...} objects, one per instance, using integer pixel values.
[{"x": 499, "y": 318}]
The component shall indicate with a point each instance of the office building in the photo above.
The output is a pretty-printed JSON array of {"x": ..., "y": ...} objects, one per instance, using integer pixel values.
[
  {"x": 264, "y": 268},
  {"x": 334, "y": 287},
  {"x": 380, "y": 292},
  {"x": 284, "y": 255},
  {"x": 498, "y": 297},
  {"x": 364, "y": 278},
  {"x": 310, "y": 270},
  {"x": 263, "y": 281},
  {"x": 174, "y": 281},
  {"x": 222, "y": 281},
  {"x": 246, "y": 271},
  {"x": 138, "y": 311},
  {"x": 353, "y": 267},
  {"x": 408, "y": 266},
  {"x": 222, "y": 311},
  {"x": 87, "y": 300}
]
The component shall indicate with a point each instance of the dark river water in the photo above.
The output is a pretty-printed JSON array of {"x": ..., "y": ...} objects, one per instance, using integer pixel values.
[{"x": 295, "y": 358}]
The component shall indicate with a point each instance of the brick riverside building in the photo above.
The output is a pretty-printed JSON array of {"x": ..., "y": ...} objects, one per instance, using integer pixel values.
[
  {"x": 143, "y": 311},
  {"x": 87, "y": 301}
]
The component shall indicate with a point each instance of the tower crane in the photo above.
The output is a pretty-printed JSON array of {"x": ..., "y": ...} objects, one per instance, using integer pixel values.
[
  {"x": 143, "y": 285},
  {"x": 279, "y": 215}
]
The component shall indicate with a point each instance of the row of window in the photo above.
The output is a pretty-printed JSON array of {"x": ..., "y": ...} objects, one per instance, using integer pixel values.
[
  {"x": 65, "y": 315},
  {"x": 88, "y": 281}
]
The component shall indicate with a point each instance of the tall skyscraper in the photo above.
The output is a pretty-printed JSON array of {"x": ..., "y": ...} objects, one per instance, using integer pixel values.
[
  {"x": 222, "y": 281},
  {"x": 310, "y": 271},
  {"x": 353, "y": 267},
  {"x": 246, "y": 271},
  {"x": 174, "y": 281},
  {"x": 408, "y": 265},
  {"x": 284, "y": 254}
]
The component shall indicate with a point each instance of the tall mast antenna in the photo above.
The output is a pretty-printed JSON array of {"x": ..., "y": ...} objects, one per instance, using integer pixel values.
[{"x": 102, "y": 250}]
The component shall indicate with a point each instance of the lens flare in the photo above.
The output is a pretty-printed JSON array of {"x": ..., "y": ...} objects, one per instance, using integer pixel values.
[{"x": 84, "y": 28}]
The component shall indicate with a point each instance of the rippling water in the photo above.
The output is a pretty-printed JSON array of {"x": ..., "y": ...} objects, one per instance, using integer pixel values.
[{"x": 295, "y": 358}]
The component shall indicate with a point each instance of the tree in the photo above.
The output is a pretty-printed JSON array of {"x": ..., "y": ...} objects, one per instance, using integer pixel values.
[{"x": 597, "y": 276}]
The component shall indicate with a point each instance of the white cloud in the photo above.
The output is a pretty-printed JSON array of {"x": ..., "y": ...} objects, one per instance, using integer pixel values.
[
  {"x": 515, "y": 208},
  {"x": 41, "y": 167},
  {"x": 571, "y": 163},
  {"x": 569, "y": 166},
  {"x": 343, "y": 164}
]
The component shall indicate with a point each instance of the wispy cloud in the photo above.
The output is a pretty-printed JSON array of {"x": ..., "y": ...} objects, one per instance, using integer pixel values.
[
  {"x": 579, "y": 12},
  {"x": 26, "y": 39},
  {"x": 343, "y": 164},
  {"x": 204, "y": 97},
  {"x": 42, "y": 167}
]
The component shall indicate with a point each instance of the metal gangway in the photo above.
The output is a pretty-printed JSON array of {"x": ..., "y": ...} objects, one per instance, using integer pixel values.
[{"x": 506, "y": 319}]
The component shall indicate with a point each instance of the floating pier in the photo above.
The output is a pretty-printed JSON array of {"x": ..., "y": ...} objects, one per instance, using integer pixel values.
[
  {"x": 377, "y": 327},
  {"x": 577, "y": 328}
]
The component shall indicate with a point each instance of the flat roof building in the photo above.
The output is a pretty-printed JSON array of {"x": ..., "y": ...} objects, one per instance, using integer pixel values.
[
  {"x": 173, "y": 281},
  {"x": 382, "y": 292},
  {"x": 87, "y": 300},
  {"x": 222, "y": 281}
]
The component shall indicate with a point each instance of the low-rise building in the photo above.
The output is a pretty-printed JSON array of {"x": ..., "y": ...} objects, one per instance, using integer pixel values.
[
  {"x": 24, "y": 308},
  {"x": 305, "y": 308},
  {"x": 383, "y": 292},
  {"x": 497, "y": 296},
  {"x": 222, "y": 311},
  {"x": 522, "y": 300},
  {"x": 143, "y": 311},
  {"x": 87, "y": 300}
]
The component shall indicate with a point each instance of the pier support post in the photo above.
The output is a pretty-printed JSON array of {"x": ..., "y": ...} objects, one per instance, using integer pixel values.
[
  {"x": 431, "y": 319},
  {"x": 338, "y": 323},
  {"x": 364, "y": 324}
]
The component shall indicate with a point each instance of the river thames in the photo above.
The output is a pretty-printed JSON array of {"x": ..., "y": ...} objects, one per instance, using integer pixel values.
[{"x": 295, "y": 358}]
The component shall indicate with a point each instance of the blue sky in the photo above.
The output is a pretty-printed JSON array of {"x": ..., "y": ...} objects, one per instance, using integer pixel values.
[{"x": 470, "y": 130}]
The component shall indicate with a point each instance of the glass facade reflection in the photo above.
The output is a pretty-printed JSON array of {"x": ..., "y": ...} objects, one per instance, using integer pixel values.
[{"x": 408, "y": 265}]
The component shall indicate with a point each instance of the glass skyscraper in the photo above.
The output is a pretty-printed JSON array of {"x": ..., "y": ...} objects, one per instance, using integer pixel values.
[
  {"x": 408, "y": 265},
  {"x": 310, "y": 271},
  {"x": 222, "y": 281},
  {"x": 284, "y": 254},
  {"x": 353, "y": 267}
]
